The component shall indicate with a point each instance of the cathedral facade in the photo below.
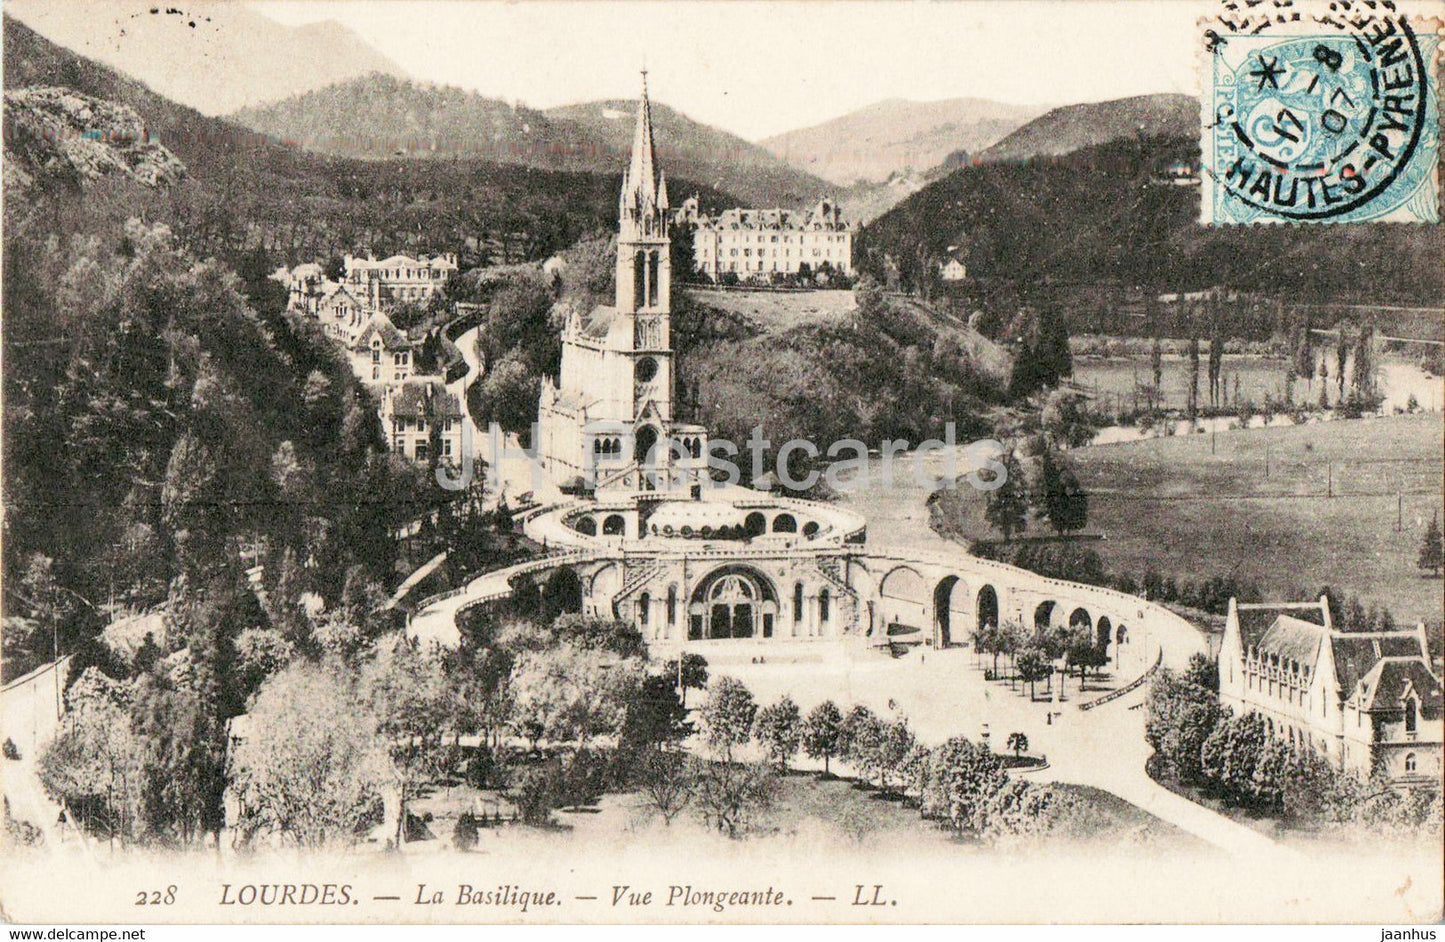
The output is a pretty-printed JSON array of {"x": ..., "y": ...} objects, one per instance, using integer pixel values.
[{"x": 606, "y": 422}]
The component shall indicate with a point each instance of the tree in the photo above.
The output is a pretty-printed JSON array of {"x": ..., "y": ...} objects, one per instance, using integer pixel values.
[
  {"x": 1432, "y": 550},
  {"x": 1202, "y": 671},
  {"x": 464, "y": 837},
  {"x": 655, "y": 716},
  {"x": 778, "y": 730},
  {"x": 1061, "y": 500},
  {"x": 666, "y": 782},
  {"x": 411, "y": 701},
  {"x": 1156, "y": 364},
  {"x": 310, "y": 767},
  {"x": 963, "y": 778},
  {"x": 859, "y": 738},
  {"x": 567, "y": 694},
  {"x": 822, "y": 731},
  {"x": 1231, "y": 754},
  {"x": 728, "y": 715},
  {"x": 1180, "y": 717},
  {"x": 895, "y": 751},
  {"x": 691, "y": 673},
  {"x": 1193, "y": 377},
  {"x": 1008, "y": 506},
  {"x": 1019, "y": 743},
  {"x": 1033, "y": 664},
  {"x": 729, "y": 795}
]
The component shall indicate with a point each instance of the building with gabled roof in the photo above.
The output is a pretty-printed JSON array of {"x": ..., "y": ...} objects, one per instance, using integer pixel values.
[
  {"x": 422, "y": 420},
  {"x": 387, "y": 281},
  {"x": 381, "y": 353},
  {"x": 1368, "y": 701}
]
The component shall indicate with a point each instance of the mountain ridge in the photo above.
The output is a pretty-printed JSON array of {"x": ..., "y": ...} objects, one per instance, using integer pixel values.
[
  {"x": 179, "y": 50},
  {"x": 896, "y": 135},
  {"x": 426, "y": 120},
  {"x": 1069, "y": 128}
]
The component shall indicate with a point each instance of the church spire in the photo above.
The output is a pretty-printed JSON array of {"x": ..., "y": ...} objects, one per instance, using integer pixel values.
[{"x": 640, "y": 203}]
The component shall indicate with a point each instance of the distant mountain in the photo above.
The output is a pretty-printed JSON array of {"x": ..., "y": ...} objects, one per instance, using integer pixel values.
[
  {"x": 1067, "y": 129},
  {"x": 56, "y": 136},
  {"x": 213, "y": 56},
  {"x": 414, "y": 119},
  {"x": 897, "y": 135},
  {"x": 1109, "y": 215},
  {"x": 245, "y": 192},
  {"x": 699, "y": 152}
]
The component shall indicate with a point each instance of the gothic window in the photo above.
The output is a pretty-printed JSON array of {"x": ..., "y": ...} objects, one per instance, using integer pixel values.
[
  {"x": 1410, "y": 762},
  {"x": 672, "y": 605},
  {"x": 1412, "y": 713},
  {"x": 797, "y": 601},
  {"x": 654, "y": 264},
  {"x": 639, "y": 279},
  {"x": 823, "y": 606},
  {"x": 644, "y": 604}
]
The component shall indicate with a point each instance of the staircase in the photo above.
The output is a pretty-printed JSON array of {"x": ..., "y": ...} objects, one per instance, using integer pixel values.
[
  {"x": 612, "y": 477},
  {"x": 832, "y": 570},
  {"x": 640, "y": 577}
]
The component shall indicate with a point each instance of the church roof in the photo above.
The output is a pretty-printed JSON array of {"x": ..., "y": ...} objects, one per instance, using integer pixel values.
[
  {"x": 598, "y": 321},
  {"x": 381, "y": 325},
  {"x": 1387, "y": 681},
  {"x": 1357, "y": 653}
]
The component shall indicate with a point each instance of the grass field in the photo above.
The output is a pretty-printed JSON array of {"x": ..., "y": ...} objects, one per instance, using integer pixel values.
[
  {"x": 832, "y": 813},
  {"x": 1176, "y": 506},
  {"x": 1114, "y": 380},
  {"x": 775, "y": 311}
]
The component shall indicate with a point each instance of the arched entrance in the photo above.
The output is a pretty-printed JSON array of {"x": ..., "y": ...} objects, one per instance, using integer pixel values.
[
  {"x": 562, "y": 594},
  {"x": 644, "y": 442},
  {"x": 987, "y": 607},
  {"x": 733, "y": 602},
  {"x": 1044, "y": 616},
  {"x": 1104, "y": 632},
  {"x": 942, "y": 614},
  {"x": 1081, "y": 619},
  {"x": 614, "y": 525},
  {"x": 755, "y": 524}
]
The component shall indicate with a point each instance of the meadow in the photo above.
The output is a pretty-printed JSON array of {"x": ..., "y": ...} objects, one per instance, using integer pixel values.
[{"x": 1290, "y": 509}]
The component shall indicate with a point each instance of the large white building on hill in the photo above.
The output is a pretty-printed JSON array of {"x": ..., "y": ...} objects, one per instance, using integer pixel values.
[{"x": 756, "y": 244}]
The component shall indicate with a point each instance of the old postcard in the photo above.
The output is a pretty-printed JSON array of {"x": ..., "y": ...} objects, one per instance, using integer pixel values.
[{"x": 567, "y": 462}]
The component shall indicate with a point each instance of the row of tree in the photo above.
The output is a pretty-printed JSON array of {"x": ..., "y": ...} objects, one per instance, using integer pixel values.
[{"x": 1198, "y": 743}]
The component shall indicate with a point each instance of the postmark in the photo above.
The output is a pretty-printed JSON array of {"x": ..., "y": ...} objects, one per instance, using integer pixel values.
[{"x": 1331, "y": 118}]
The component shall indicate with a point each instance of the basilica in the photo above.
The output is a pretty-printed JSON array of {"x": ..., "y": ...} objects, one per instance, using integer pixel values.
[{"x": 606, "y": 423}]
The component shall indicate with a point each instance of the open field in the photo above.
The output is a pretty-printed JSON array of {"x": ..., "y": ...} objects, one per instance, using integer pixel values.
[
  {"x": 1114, "y": 381},
  {"x": 1323, "y": 514},
  {"x": 830, "y": 815},
  {"x": 775, "y": 311}
]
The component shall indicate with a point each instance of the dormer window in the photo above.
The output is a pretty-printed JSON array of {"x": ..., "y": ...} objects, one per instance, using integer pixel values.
[{"x": 1412, "y": 716}]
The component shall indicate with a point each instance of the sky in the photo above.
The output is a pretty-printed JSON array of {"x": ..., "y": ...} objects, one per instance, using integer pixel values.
[{"x": 761, "y": 68}]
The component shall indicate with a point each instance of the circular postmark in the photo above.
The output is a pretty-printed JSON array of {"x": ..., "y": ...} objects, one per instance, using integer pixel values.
[{"x": 1322, "y": 123}]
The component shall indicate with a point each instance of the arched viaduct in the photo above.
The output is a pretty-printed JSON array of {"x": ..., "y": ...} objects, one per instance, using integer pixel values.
[{"x": 860, "y": 596}]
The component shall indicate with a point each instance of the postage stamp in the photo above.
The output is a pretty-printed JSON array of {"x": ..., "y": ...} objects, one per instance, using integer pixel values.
[{"x": 1330, "y": 119}]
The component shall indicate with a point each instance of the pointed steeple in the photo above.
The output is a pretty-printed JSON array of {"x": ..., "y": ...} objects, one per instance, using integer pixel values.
[
  {"x": 662, "y": 191},
  {"x": 642, "y": 174},
  {"x": 643, "y": 205}
]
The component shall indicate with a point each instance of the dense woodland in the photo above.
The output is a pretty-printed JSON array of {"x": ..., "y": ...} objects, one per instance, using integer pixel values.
[{"x": 1100, "y": 219}]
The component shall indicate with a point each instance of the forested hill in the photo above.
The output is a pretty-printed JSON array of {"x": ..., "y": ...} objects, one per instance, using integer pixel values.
[
  {"x": 245, "y": 191},
  {"x": 1108, "y": 214},
  {"x": 420, "y": 120}
]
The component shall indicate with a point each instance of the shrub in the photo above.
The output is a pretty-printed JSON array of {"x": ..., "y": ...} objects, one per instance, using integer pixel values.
[
  {"x": 465, "y": 835},
  {"x": 11, "y": 751}
]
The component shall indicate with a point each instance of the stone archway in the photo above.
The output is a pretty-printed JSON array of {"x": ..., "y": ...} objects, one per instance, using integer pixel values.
[
  {"x": 1104, "y": 633},
  {"x": 614, "y": 525},
  {"x": 1080, "y": 618},
  {"x": 1044, "y": 615},
  {"x": 943, "y": 611},
  {"x": 987, "y": 607},
  {"x": 755, "y": 524},
  {"x": 644, "y": 441},
  {"x": 732, "y": 602}
]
